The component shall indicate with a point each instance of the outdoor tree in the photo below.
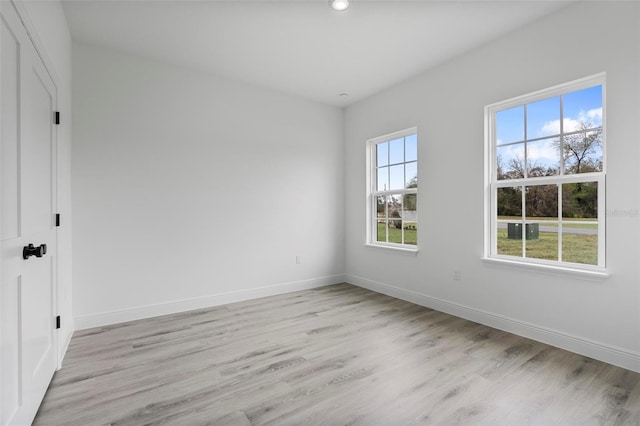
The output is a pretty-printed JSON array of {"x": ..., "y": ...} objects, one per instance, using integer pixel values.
[
  {"x": 515, "y": 169},
  {"x": 579, "y": 200},
  {"x": 510, "y": 201},
  {"x": 581, "y": 151},
  {"x": 395, "y": 207}
]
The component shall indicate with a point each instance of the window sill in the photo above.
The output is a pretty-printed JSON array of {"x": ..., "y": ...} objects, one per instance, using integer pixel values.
[
  {"x": 394, "y": 249},
  {"x": 563, "y": 271}
]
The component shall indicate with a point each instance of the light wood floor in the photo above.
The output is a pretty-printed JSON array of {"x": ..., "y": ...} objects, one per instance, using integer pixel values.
[{"x": 334, "y": 356}]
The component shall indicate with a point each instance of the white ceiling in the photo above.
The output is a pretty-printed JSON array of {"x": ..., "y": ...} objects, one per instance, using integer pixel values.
[{"x": 302, "y": 47}]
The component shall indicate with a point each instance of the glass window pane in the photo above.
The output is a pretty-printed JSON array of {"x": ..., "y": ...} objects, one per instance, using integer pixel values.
[
  {"x": 411, "y": 148},
  {"x": 509, "y": 238},
  {"x": 580, "y": 243},
  {"x": 543, "y": 157},
  {"x": 541, "y": 235},
  {"x": 510, "y": 125},
  {"x": 383, "y": 179},
  {"x": 409, "y": 207},
  {"x": 510, "y": 161},
  {"x": 509, "y": 221},
  {"x": 509, "y": 203},
  {"x": 541, "y": 239},
  {"x": 381, "y": 231},
  {"x": 411, "y": 175},
  {"x": 410, "y": 229},
  {"x": 543, "y": 118},
  {"x": 382, "y": 154},
  {"x": 582, "y": 152},
  {"x": 381, "y": 207},
  {"x": 395, "y": 232},
  {"x": 541, "y": 201},
  {"x": 396, "y": 151},
  {"x": 580, "y": 201},
  {"x": 410, "y": 219},
  {"x": 396, "y": 177},
  {"x": 582, "y": 109},
  {"x": 394, "y": 208}
]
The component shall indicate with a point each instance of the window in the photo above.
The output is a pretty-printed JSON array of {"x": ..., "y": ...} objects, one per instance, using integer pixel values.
[
  {"x": 546, "y": 177},
  {"x": 393, "y": 190}
]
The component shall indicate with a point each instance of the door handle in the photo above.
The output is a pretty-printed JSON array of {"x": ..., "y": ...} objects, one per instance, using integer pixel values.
[{"x": 30, "y": 250}]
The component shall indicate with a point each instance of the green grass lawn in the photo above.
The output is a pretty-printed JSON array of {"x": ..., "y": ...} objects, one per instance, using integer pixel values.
[
  {"x": 395, "y": 235},
  {"x": 552, "y": 221},
  {"x": 576, "y": 248}
]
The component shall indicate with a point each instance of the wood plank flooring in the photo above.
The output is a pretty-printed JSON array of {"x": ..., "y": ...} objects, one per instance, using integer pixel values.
[{"x": 338, "y": 355}]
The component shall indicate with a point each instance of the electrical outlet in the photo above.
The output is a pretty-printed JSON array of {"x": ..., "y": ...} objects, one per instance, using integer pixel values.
[{"x": 457, "y": 275}]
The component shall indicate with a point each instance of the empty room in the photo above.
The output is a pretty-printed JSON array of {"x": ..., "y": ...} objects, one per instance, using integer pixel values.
[{"x": 320, "y": 212}]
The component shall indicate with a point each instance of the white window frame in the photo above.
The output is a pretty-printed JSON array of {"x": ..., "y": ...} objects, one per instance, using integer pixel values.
[
  {"x": 492, "y": 184},
  {"x": 373, "y": 193}
]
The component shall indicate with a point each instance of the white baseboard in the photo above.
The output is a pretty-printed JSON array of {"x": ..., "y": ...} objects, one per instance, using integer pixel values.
[
  {"x": 63, "y": 344},
  {"x": 612, "y": 355},
  {"x": 141, "y": 312}
]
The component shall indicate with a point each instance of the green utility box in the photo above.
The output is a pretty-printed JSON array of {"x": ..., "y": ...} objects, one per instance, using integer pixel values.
[{"x": 514, "y": 231}]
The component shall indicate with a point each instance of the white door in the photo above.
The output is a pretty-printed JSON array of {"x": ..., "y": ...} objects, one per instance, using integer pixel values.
[{"x": 28, "y": 202}]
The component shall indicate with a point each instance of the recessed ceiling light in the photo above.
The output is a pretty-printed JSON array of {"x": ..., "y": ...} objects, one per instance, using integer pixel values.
[{"x": 339, "y": 5}]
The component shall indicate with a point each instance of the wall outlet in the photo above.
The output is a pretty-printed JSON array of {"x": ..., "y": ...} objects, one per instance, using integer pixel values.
[
  {"x": 457, "y": 275},
  {"x": 298, "y": 260}
]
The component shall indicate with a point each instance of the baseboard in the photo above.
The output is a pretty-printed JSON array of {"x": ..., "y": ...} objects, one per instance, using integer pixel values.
[
  {"x": 141, "y": 312},
  {"x": 65, "y": 339},
  {"x": 612, "y": 355}
]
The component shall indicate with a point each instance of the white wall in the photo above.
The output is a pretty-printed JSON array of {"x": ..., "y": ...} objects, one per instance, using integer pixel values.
[
  {"x": 598, "y": 318},
  {"x": 190, "y": 190},
  {"x": 49, "y": 28}
]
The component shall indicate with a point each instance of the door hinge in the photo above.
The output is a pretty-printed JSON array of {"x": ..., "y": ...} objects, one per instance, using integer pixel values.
[
  {"x": 57, "y": 219},
  {"x": 58, "y": 322},
  {"x": 57, "y": 117}
]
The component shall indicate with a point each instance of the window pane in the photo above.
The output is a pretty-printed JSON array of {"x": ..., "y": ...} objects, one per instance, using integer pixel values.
[
  {"x": 410, "y": 232},
  {"x": 543, "y": 118},
  {"x": 382, "y": 154},
  {"x": 542, "y": 240},
  {"x": 381, "y": 231},
  {"x": 510, "y": 161},
  {"x": 409, "y": 207},
  {"x": 582, "y": 109},
  {"x": 543, "y": 157},
  {"x": 394, "y": 208},
  {"x": 381, "y": 207},
  {"x": 580, "y": 243},
  {"x": 509, "y": 227},
  {"x": 410, "y": 219},
  {"x": 411, "y": 148},
  {"x": 411, "y": 175},
  {"x": 541, "y": 236},
  {"x": 395, "y": 232},
  {"x": 580, "y": 201},
  {"x": 582, "y": 152},
  {"x": 541, "y": 201},
  {"x": 396, "y": 151},
  {"x": 510, "y": 125},
  {"x": 509, "y": 238},
  {"x": 396, "y": 177},
  {"x": 383, "y": 179},
  {"x": 510, "y": 203}
]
